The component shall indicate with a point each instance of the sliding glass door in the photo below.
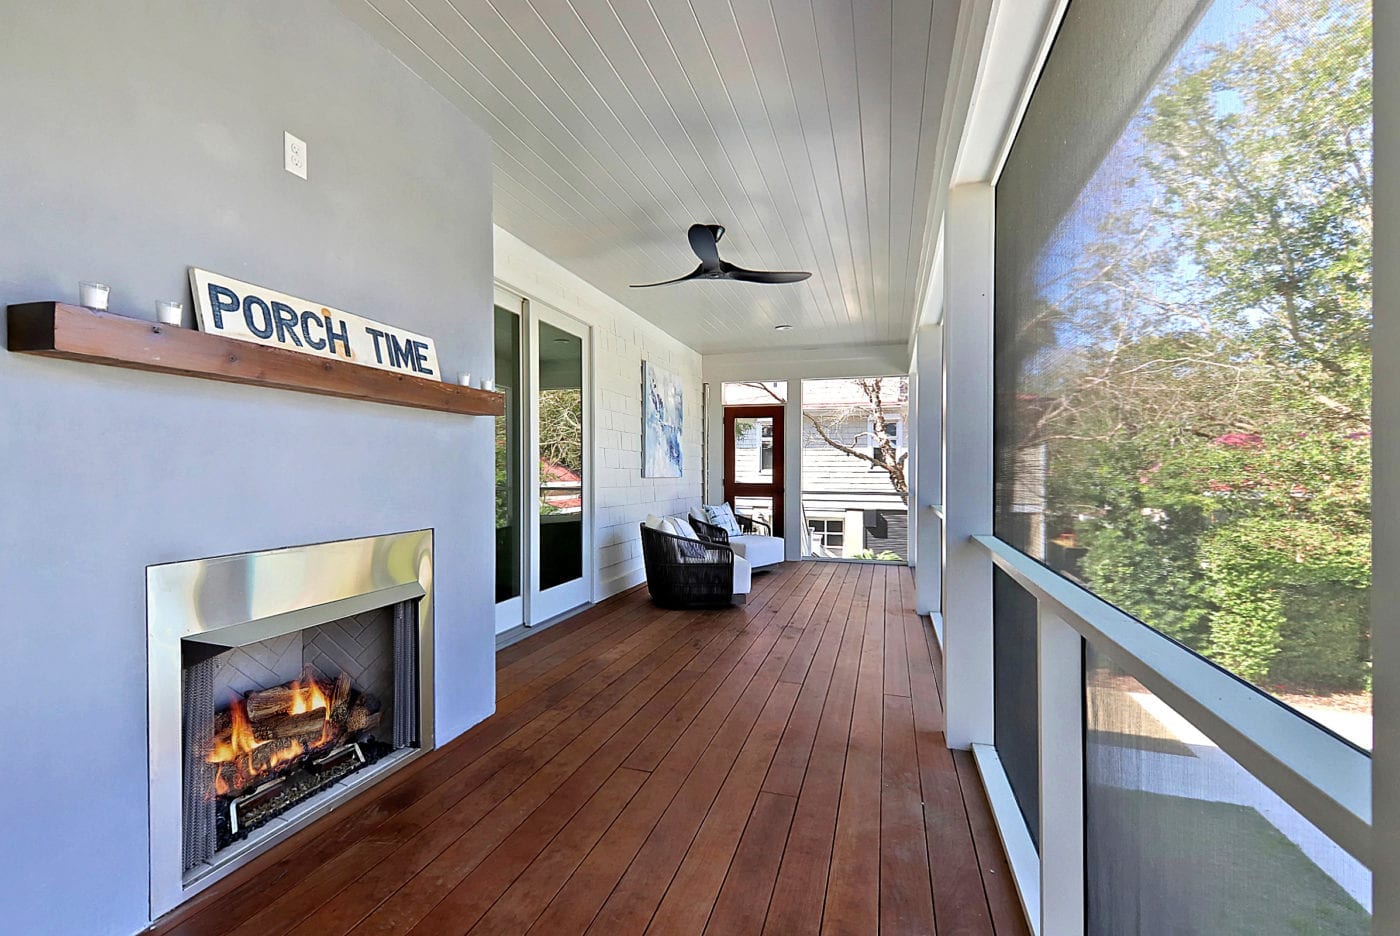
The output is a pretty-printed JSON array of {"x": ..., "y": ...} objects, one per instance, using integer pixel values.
[
  {"x": 543, "y": 527},
  {"x": 561, "y": 573}
]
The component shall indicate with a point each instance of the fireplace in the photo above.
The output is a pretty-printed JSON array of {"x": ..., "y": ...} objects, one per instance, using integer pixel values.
[{"x": 281, "y": 683}]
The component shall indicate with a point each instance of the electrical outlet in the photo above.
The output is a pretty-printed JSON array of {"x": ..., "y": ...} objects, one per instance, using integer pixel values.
[{"x": 294, "y": 155}]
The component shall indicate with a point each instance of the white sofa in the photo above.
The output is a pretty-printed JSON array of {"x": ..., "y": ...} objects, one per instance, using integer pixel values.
[{"x": 760, "y": 551}]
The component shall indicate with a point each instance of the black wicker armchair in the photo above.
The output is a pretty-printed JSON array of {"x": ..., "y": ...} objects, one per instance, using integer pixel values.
[{"x": 687, "y": 573}]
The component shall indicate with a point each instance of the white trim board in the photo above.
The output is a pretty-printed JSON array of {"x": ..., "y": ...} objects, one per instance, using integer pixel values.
[{"x": 1011, "y": 827}]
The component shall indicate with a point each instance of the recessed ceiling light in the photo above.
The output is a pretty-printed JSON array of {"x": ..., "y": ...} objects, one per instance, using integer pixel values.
[{"x": 781, "y": 327}]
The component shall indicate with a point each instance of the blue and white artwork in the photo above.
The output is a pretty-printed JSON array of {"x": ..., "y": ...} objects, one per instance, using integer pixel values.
[{"x": 662, "y": 412}]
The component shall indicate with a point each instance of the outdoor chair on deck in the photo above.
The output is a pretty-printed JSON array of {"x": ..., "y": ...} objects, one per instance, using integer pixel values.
[{"x": 684, "y": 572}]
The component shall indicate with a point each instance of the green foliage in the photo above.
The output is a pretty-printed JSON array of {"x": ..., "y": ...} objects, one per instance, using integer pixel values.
[
  {"x": 884, "y": 555},
  {"x": 1209, "y": 448}
]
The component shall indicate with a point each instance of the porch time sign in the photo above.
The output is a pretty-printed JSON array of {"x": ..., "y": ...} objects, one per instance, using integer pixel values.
[{"x": 236, "y": 309}]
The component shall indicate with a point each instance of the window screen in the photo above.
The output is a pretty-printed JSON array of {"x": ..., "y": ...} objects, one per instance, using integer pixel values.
[
  {"x": 1183, "y": 320},
  {"x": 1181, "y": 839}
]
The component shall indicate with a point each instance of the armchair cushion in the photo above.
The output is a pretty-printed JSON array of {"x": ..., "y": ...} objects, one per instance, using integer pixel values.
[{"x": 758, "y": 549}]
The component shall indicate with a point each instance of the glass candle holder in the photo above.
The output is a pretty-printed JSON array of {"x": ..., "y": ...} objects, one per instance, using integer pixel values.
[
  {"x": 169, "y": 312},
  {"x": 464, "y": 379},
  {"x": 93, "y": 295},
  {"x": 488, "y": 384}
]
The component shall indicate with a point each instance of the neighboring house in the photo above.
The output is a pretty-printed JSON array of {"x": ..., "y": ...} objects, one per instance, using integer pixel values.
[{"x": 849, "y": 506}]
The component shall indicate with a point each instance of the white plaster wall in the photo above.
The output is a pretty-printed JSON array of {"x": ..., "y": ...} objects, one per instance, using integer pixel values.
[
  {"x": 141, "y": 138},
  {"x": 621, "y": 341}
]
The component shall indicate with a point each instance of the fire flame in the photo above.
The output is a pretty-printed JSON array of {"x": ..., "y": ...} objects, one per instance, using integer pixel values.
[{"x": 306, "y": 696}]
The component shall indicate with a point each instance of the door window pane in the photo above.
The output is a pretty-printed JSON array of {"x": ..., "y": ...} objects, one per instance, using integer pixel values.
[
  {"x": 1183, "y": 327},
  {"x": 760, "y": 508},
  {"x": 1181, "y": 839},
  {"x": 561, "y": 456},
  {"x": 508, "y": 458},
  {"x": 753, "y": 450}
]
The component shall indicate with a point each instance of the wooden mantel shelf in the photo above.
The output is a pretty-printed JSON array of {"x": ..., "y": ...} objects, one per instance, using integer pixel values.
[{"x": 54, "y": 329}]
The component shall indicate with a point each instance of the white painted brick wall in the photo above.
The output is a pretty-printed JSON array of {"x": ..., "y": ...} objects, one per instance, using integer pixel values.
[{"x": 621, "y": 341}]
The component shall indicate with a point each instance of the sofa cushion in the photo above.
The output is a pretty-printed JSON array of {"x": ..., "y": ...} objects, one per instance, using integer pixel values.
[
  {"x": 743, "y": 575},
  {"x": 759, "y": 550}
]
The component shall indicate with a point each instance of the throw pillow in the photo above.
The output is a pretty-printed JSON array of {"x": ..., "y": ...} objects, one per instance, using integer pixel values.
[
  {"x": 686, "y": 549},
  {"x": 721, "y": 516}
]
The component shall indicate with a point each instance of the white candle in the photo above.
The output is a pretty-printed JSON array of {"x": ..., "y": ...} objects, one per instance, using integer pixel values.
[
  {"x": 488, "y": 384},
  {"x": 169, "y": 312},
  {"x": 93, "y": 295},
  {"x": 464, "y": 379}
]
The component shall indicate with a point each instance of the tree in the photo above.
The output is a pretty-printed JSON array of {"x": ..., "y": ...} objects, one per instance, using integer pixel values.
[
  {"x": 1206, "y": 411},
  {"x": 884, "y": 454}
]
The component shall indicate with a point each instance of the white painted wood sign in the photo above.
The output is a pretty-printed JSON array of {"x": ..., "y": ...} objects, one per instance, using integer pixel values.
[{"x": 240, "y": 310}]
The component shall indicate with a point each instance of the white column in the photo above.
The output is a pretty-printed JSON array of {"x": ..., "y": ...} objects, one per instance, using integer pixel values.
[
  {"x": 715, "y": 431},
  {"x": 967, "y": 463},
  {"x": 1059, "y": 687},
  {"x": 792, "y": 471},
  {"x": 928, "y": 470},
  {"x": 1385, "y": 421}
]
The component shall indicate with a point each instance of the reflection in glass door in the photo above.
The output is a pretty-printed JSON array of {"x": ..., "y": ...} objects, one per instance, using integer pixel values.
[
  {"x": 510, "y": 491},
  {"x": 561, "y": 514}
]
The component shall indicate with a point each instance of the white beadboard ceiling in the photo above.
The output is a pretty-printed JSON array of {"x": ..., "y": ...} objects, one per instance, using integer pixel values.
[{"x": 810, "y": 129}]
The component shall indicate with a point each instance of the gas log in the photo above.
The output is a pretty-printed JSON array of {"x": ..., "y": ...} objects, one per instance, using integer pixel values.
[
  {"x": 268, "y": 731},
  {"x": 265, "y": 703},
  {"x": 304, "y": 727}
]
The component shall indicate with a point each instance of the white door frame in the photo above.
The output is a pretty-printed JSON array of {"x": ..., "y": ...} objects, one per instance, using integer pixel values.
[
  {"x": 545, "y": 604},
  {"x": 534, "y": 605}
]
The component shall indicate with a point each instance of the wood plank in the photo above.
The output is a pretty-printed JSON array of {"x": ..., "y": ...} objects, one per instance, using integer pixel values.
[
  {"x": 1008, "y": 918},
  {"x": 591, "y": 884},
  {"x": 685, "y": 908},
  {"x": 959, "y": 899},
  {"x": 789, "y": 765},
  {"x": 532, "y": 891},
  {"x": 853, "y": 890},
  {"x": 636, "y": 895},
  {"x": 55, "y": 329},
  {"x": 896, "y": 652},
  {"x": 906, "y": 895},
  {"x": 748, "y": 885},
  {"x": 800, "y": 892}
]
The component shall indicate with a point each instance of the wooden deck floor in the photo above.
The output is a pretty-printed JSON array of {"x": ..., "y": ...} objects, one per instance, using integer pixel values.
[{"x": 776, "y": 768}]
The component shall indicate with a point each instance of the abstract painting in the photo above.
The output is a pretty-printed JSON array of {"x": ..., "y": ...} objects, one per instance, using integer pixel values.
[{"x": 662, "y": 416}]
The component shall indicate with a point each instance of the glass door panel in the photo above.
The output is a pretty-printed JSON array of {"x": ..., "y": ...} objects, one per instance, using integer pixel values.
[
  {"x": 561, "y": 510},
  {"x": 753, "y": 462},
  {"x": 510, "y": 490}
]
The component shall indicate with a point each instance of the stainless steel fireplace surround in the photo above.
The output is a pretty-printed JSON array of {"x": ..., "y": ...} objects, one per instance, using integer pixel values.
[{"x": 230, "y": 601}]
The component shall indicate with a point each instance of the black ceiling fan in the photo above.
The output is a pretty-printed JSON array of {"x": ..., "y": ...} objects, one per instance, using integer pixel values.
[{"x": 704, "y": 240}]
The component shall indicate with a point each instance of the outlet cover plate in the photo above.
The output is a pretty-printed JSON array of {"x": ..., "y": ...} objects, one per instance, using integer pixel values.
[{"x": 294, "y": 155}]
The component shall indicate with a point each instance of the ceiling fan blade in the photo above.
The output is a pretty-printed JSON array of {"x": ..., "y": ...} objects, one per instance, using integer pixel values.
[
  {"x": 704, "y": 240},
  {"x": 764, "y": 276},
  {"x": 680, "y": 279}
]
